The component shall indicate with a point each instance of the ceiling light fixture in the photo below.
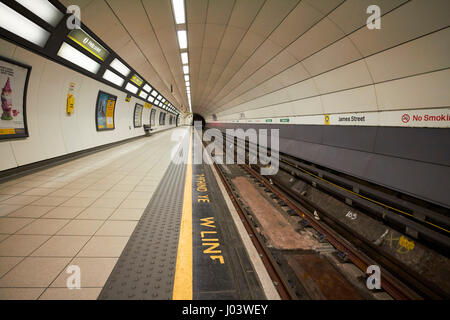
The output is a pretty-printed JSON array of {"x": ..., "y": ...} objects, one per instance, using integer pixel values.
[
  {"x": 147, "y": 88},
  {"x": 178, "y": 8},
  {"x": 76, "y": 57},
  {"x": 120, "y": 67},
  {"x": 16, "y": 23},
  {"x": 132, "y": 88},
  {"x": 43, "y": 9},
  {"x": 182, "y": 39},
  {"x": 143, "y": 95},
  {"x": 184, "y": 58},
  {"x": 113, "y": 78}
]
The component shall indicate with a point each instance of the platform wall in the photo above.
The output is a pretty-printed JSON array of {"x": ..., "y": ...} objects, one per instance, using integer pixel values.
[{"x": 52, "y": 132}]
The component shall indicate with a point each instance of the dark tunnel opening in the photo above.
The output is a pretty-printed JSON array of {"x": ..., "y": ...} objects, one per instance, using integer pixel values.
[{"x": 199, "y": 118}]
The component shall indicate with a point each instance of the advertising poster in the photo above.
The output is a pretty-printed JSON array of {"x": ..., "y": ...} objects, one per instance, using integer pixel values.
[
  {"x": 13, "y": 85},
  {"x": 153, "y": 118},
  {"x": 106, "y": 105},
  {"x": 138, "y": 115}
]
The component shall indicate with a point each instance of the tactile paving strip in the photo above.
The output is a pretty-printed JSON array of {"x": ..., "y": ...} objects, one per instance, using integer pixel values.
[{"x": 146, "y": 268}]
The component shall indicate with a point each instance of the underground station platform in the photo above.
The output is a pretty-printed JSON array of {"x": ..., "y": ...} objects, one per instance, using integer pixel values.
[
  {"x": 167, "y": 226},
  {"x": 186, "y": 245},
  {"x": 159, "y": 229}
]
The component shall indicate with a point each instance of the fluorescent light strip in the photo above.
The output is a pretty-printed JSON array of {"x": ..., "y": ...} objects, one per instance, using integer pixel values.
[
  {"x": 43, "y": 9},
  {"x": 120, "y": 67},
  {"x": 186, "y": 69},
  {"x": 151, "y": 99},
  {"x": 132, "y": 88},
  {"x": 113, "y": 78},
  {"x": 178, "y": 10},
  {"x": 154, "y": 93},
  {"x": 186, "y": 77},
  {"x": 76, "y": 57},
  {"x": 182, "y": 39},
  {"x": 147, "y": 88},
  {"x": 15, "y": 23},
  {"x": 143, "y": 95},
  {"x": 184, "y": 58},
  {"x": 188, "y": 84}
]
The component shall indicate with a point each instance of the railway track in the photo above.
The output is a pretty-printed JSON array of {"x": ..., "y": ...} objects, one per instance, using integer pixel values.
[
  {"x": 396, "y": 279},
  {"x": 270, "y": 264}
]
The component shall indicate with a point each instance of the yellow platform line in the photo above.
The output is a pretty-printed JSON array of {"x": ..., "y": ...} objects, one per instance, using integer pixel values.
[{"x": 182, "y": 288}]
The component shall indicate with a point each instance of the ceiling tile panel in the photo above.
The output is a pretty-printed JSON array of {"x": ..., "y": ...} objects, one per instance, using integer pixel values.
[
  {"x": 411, "y": 20},
  {"x": 350, "y": 16},
  {"x": 334, "y": 56},
  {"x": 318, "y": 37},
  {"x": 297, "y": 22}
]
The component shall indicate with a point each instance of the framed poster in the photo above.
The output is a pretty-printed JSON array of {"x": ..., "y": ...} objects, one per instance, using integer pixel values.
[
  {"x": 105, "y": 110},
  {"x": 138, "y": 115},
  {"x": 162, "y": 119},
  {"x": 153, "y": 117},
  {"x": 14, "y": 78}
]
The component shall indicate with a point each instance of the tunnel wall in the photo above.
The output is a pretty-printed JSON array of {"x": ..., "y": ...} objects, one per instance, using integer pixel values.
[
  {"x": 414, "y": 161},
  {"x": 331, "y": 65},
  {"x": 52, "y": 132}
]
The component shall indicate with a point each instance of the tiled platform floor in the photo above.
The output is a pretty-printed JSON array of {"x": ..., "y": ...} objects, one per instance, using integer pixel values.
[{"x": 78, "y": 213}]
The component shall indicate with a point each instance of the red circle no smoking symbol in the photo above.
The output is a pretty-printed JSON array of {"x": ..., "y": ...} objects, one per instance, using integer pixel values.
[{"x": 405, "y": 118}]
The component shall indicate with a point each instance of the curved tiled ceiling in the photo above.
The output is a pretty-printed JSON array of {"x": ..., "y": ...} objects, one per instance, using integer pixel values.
[
  {"x": 318, "y": 57},
  {"x": 284, "y": 57}
]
